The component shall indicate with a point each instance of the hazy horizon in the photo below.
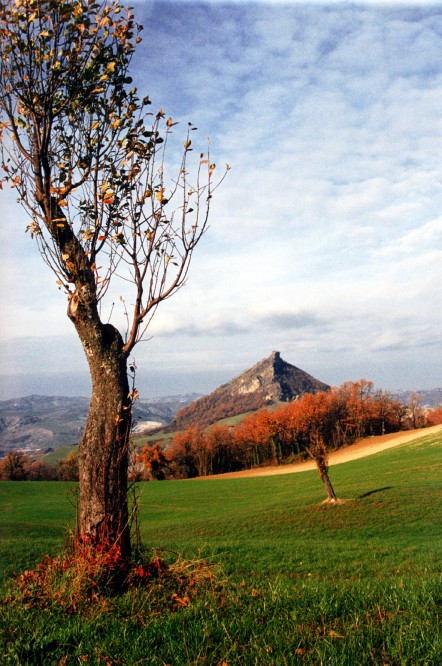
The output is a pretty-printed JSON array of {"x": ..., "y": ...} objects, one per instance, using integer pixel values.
[{"x": 157, "y": 384}]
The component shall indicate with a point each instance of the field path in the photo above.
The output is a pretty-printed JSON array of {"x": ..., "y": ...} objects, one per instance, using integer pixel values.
[{"x": 364, "y": 447}]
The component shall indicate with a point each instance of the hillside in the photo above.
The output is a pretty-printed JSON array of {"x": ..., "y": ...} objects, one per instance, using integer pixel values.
[
  {"x": 270, "y": 381},
  {"x": 37, "y": 423},
  {"x": 429, "y": 398}
]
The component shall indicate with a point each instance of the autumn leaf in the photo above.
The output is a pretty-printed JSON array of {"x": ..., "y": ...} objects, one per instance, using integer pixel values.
[
  {"x": 187, "y": 144},
  {"x": 334, "y": 634}
]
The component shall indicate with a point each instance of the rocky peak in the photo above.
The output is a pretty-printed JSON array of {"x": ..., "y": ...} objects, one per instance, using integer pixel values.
[{"x": 269, "y": 381}]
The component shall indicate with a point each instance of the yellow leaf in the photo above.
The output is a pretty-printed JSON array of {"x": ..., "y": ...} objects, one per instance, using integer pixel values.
[
  {"x": 116, "y": 123},
  {"x": 169, "y": 122},
  {"x": 62, "y": 203},
  {"x": 187, "y": 144},
  {"x": 334, "y": 634},
  {"x": 111, "y": 67}
]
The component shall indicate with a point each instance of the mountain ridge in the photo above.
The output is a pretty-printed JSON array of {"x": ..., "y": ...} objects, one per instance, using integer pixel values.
[{"x": 269, "y": 381}]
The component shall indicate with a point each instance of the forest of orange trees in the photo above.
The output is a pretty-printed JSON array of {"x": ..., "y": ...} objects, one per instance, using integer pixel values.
[{"x": 285, "y": 433}]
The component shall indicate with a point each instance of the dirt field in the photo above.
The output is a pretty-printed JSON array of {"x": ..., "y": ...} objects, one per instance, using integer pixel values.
[{"x": 361, "y": 449}]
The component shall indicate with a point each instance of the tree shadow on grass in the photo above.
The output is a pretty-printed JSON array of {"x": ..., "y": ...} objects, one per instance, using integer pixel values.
[{"x": 372, "y": 492}]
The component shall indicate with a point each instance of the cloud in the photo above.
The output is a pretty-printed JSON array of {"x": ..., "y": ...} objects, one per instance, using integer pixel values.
[{"x": 325, "y": 238}]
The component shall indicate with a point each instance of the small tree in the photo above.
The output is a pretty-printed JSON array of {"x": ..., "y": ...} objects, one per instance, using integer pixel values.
[
  {"x": 88, "y": 164},
  {"x": 317, "y": 450},
  {"x": 416, "y": 414}
]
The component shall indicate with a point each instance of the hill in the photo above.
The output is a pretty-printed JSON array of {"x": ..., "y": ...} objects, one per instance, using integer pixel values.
[
  {"x": 269, "y": 381},
  {"x": 37, "y": 423},
  {"x": 429, "y": 398}
]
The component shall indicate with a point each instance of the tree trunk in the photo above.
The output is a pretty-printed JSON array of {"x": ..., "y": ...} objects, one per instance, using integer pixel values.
[
  {"x": 323, "y": 473},
  {"x": 103, "y": 450}
]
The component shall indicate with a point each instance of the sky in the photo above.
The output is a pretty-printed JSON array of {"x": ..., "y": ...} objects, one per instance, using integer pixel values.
[{"x": 325, "y": 238}]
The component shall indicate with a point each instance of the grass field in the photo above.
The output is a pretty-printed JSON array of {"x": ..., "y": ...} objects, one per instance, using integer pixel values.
[{"x": 300, "y": 582}]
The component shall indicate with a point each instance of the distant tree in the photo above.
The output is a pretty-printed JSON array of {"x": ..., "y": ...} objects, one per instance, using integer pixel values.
[
  {"x": 434, "y": 416},
  {"x": 189, "y": 453},
  {"x": 13, "y": 467},
  {"x": 224, "y": 454},
  {"x": 88, "y": 164},
  {"x": 40, "y": 471},
  {"x": 415, "y": 414},
  {"x": 155, "y": 461},
  {"x": 68, "y": 468}
]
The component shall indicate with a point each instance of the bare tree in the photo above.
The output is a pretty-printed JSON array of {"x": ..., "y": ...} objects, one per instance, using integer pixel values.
[
  {"x": 88, "y": 163},
  {"x": 317, "y": 450}
]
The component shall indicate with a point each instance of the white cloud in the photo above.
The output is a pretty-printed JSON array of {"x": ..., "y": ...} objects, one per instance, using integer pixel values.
[{"x": 325, "y": 237}]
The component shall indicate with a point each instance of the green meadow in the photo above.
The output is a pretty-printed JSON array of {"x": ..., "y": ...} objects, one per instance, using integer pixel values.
[{"x": 296, "y": 582}]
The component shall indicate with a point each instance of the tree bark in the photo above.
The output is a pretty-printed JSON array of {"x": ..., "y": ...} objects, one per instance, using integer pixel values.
[
  {"x": 323, "y": 473},
  {"x": 103, "y": 450}
]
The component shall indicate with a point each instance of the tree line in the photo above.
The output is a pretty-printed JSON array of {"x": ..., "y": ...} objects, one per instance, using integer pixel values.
[
  {"x": 312, "y": 425},
  {"x": 16, "y": 466}
]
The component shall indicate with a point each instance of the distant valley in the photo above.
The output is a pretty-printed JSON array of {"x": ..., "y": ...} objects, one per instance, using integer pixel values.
[{"x": 45, "y": 422}]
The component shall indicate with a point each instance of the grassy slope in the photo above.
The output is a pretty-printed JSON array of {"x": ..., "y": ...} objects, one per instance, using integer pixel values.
[
  {"x": 350, "y": 584},
  {"x": 271, "y": 524}
]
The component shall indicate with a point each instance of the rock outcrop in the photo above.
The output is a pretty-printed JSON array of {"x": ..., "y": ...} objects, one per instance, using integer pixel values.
[{"x": 270, "y": 381}]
